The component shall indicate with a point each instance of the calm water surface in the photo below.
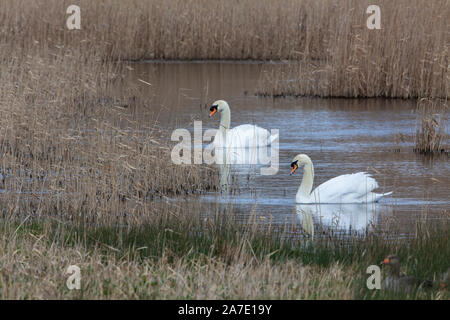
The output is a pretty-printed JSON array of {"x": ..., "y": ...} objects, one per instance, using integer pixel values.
[{"x": 340, "y": 135}]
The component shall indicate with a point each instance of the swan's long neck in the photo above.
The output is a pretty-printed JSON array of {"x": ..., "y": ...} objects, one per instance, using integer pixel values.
[
  {"x": 305, "y": 188},
  {"x": 225, "y": 118}
]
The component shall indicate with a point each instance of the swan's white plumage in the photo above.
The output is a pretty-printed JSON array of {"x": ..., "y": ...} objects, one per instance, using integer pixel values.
[
  {"x": 347, "y": 188},
  {"x": 243, "y": 136}
]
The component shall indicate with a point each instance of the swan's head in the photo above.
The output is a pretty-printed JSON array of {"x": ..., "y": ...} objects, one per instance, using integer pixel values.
[
  {"x": 298, "y": 161},
  {"x": 218, "y": 106}
]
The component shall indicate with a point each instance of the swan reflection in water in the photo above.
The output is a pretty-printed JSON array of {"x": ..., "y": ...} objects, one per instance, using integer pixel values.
[
  {"x": 242, "y": 162},
  {"x": 342, "y": 217}
]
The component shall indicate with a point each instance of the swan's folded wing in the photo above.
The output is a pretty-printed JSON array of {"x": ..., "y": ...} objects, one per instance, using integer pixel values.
[
  {"x": 247, "y": 135},
  {"x": 345, "y": 188}
]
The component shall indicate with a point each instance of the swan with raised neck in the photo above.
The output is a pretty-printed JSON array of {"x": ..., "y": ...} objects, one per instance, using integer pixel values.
[
  {"x": 346, "y": 188},
  {"x": 305, "y": 188},
  {"x": 242, "y": 136},
  {"x": 223, "y": 108}
]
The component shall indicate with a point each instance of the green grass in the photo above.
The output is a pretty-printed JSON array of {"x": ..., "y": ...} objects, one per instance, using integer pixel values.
[{"x": 195, "y": 243}]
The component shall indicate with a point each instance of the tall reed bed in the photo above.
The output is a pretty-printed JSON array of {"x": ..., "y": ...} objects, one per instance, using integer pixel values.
[
  {"x": 161, "y": 29},
  {"x": 337, "y": 54},
  {"x": 407, "y": 58},
  {"x": 72, "y": 145}
]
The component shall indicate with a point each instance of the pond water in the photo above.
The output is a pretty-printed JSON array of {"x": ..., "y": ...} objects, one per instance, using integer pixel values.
[{"x": 340, "y": 135}]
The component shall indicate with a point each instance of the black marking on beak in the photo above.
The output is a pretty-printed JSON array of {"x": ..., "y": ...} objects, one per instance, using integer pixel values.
[
  {"x": 213, "y": 110},
  {"x": 294, "y": 166}
]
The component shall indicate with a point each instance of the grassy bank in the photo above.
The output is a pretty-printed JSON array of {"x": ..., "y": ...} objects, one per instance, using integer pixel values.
[
  {"x": 184, "y": 256},
  {"x": 339, "y": 56}
]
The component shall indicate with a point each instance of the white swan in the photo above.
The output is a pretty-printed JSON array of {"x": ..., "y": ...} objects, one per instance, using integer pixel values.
[
  {"x": 243, "y": 136},
  {"x": 347, "y": 188}
]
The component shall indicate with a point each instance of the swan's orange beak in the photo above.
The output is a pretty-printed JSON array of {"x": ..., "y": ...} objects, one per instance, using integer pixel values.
[
  {"x": 294, "y": 168},
  {"x": 212, "y": 112},
  {"x": 385, "y": 261}
]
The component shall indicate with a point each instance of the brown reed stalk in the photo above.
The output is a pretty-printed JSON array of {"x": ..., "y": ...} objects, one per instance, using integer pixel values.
[
  {"x": 432, "y": 134},
  {"x": 407, "y": 58}
]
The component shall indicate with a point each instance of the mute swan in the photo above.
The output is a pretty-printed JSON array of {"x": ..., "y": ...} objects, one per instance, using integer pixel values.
[
  {"x": 347, "y": 188},
  {"x": 242, "y": 136}
]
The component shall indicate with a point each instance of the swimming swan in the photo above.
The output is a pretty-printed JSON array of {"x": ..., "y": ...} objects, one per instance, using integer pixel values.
[
  {"x": 243, "y": 136},
  {"x": 347, "y": 188}
]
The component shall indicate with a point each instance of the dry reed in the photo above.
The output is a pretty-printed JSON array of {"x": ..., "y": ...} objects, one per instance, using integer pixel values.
[
  {"x": 72, "y": 144},
  {"x": 432, "y": 134},
  {"x": 160, "y": 29},
  {"x": 407, "y": 58}
]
